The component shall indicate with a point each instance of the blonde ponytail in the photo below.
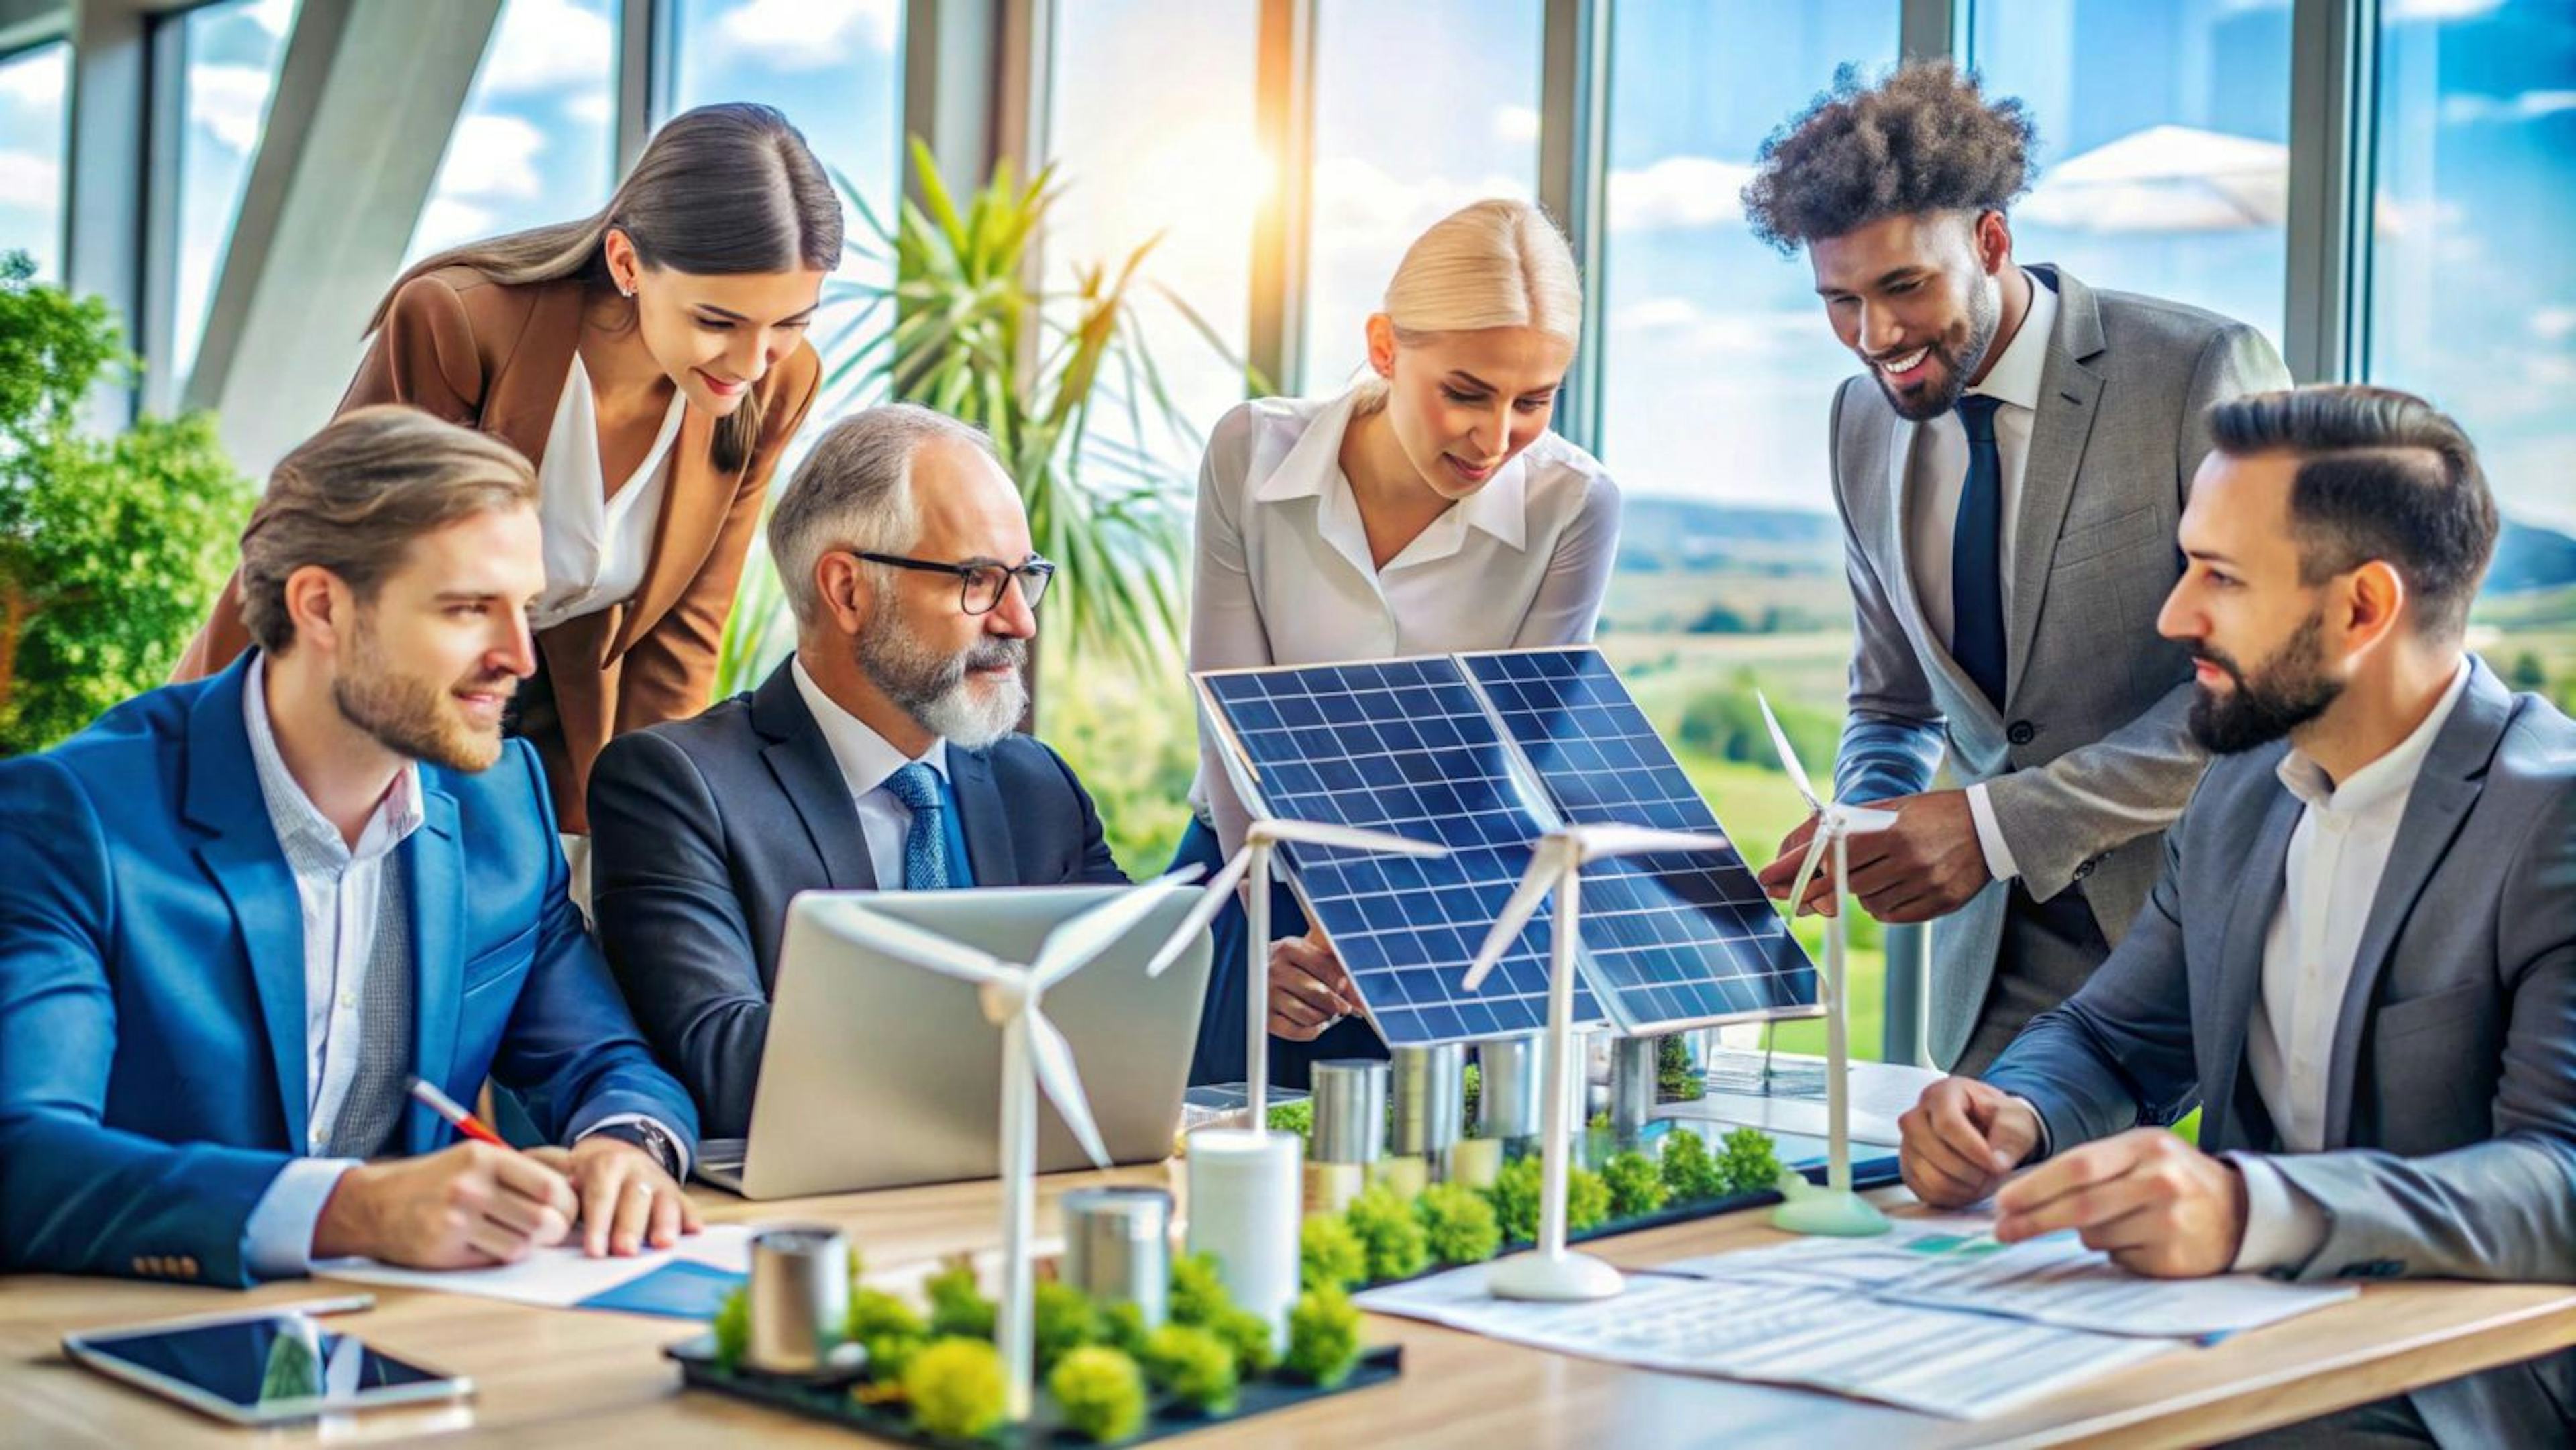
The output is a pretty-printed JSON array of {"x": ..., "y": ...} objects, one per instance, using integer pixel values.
[{"x": 1493, "y": 263}]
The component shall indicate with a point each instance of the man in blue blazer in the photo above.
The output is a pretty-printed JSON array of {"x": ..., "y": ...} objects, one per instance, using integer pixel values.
[
  {"x": 241, "y": 913},
  {"x": 2360, "y": 960},
  {"x": 880, "y": 757}
]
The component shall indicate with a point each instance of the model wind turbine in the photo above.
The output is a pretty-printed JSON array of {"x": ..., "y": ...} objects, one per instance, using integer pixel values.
[
  {"x": 1259, "y": 842},
  {"x": 1834, "y": 1209},
  {"x": 1556, "y": 862},
  {"x": 1034, "y": 1053}
]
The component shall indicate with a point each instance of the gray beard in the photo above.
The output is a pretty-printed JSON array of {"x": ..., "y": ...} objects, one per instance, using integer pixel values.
[{"x": 934, "y": 689}]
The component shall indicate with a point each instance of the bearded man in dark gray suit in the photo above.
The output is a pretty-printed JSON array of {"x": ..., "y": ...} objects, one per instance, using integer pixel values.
[{"x": 2009, "y": 475}]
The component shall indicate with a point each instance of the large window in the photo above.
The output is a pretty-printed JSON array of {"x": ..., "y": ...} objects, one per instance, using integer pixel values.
[
  {"x": 835, "y": 69},
  {"x": 2164, "y": 159},
  {"x": 1151, "y": 123},
  {"x": 2472, "y": 297},
  {"x": 31, "y": 156},
  {"x": 535, "y": 142},
  {"x": 1468, "y": 129},
  {"x": 229, "y": 52}
]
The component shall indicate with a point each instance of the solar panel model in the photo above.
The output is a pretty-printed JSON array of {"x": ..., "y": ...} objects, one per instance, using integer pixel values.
[{"x": 1484, "y": 753}]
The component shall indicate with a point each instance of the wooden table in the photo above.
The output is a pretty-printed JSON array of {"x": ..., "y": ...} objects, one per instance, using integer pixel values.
[{"x": 555, "y": 1377}]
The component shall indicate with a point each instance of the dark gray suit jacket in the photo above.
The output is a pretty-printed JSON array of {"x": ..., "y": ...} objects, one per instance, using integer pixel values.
[
  {"x": 2451, "y": 1110},
  {"x": 2088, "y": 759},
  {"x": 702, "y": 830}
]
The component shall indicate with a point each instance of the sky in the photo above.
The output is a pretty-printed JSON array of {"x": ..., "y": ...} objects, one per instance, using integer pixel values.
[{"x": 1717, "y": 361}]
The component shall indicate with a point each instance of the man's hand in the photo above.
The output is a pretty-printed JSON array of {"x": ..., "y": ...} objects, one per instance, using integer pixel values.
[
  {"x": 465, "y": 1207},
  {"x": 627, "y": 1201},
  {"x": 1928, "y": 864},
  {"x": 1308, "y": 988},
  {"x": 1782, "y": 873},
  {"x": 1961, "y": 1139},
  {"x": 2154, "y": 1203}
]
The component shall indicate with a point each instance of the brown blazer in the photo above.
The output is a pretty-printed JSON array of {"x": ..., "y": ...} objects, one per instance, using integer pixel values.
[{"x": 495, "y": 358}]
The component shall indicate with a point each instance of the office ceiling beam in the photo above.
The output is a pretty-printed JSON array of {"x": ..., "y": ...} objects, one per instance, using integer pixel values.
[
  {"x": 367, "y": 96},
  {"x": 1573, "y": 183}
]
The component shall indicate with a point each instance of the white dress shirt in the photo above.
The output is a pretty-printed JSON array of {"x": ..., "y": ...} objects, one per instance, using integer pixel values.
[
  {"x": 596, "y": 542},
  {"x": 2337, "y": 854},
  {"x": 866, "y": 760},
  {"x": 1284, "y": 576},
  {"x": 1938, "y": 474}
]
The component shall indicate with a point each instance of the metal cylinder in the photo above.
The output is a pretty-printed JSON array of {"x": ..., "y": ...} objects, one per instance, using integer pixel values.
[
  {"x": 1118, "y": 1246},
  {"x": 1512, "y": 1086},
  {"x": 1633, "y": 1061},
  {"x": 1430, "y": 1089},
  {"x": 800, "y": 1297},
  {"x": 1350, "y": 1110}
]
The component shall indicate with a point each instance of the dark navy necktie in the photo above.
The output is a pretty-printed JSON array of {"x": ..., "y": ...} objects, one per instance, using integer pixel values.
[{"x": 1976, "y": 555}]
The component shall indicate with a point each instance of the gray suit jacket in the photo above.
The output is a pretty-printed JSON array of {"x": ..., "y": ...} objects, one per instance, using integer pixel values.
[
  {"x": 2088, "y": 760},
  {"x": 2451, "y": 1107}
]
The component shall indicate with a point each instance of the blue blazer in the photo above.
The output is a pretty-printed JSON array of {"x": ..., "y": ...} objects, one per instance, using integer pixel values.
[{"x": 152, "y": 1077}]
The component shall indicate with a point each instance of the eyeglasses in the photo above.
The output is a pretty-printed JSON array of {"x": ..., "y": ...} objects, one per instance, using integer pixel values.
[{"x": 980, "y": 581}]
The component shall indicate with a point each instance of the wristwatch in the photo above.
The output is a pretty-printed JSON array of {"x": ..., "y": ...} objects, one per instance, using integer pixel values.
[{"x": 648, "y": 1135}]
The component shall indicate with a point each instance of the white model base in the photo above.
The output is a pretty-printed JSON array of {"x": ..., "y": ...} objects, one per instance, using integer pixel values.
[{"x": 1562, "y": 1278}]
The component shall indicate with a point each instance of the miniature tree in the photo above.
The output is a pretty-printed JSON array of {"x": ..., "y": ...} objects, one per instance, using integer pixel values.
[
  {"x": 1386, "y": 1223},
  {"x": 1458, "y": 1224},
  {"x": 1100, "y": 1392},
  {"x": 955, "y": 1386},
  {"x": 1635, "y": 1185},
  {"x": 1324, "y": 1336}
]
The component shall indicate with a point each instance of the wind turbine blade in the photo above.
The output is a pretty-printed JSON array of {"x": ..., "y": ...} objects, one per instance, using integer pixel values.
[
  {"x": 923, "y": 948},
  {"x": 1212, "y": 899},
  {"x": 1348, "y": 838},
  {"x": 1600, "y": 841},
  {"x": 1070, "y": 946},
  {"x": 1807, "y": 871},
  {"x": 1062, "y": 1083},
  {"x": 1862, "y": 820},
  {"x": 1543, "y": 866},
  {"x": 1788, "y": 756}
]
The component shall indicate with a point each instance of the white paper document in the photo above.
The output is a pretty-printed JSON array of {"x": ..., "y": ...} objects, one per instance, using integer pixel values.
[
  {"x": 1881, "y": 1092},
  {"x": 1954, "y": 1262},
  {"x": 559, "y": 1277},
  {"x": 1963, "y": 1366}
]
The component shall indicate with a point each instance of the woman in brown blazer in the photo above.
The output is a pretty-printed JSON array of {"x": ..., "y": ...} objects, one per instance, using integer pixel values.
[{"x": 651, "y": 362}]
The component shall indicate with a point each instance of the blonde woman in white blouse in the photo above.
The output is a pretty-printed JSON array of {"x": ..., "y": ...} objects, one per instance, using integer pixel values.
[{"x": 1426, "y": 510}]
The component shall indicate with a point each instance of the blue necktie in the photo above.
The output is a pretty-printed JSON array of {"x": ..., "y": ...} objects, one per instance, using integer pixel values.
[
  {"x": 1976, "y": 555},
  {"x": 925, "y": 845}
]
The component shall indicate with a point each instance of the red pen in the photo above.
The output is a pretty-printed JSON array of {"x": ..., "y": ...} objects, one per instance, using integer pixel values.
[{"x": 446, "y": 1107}]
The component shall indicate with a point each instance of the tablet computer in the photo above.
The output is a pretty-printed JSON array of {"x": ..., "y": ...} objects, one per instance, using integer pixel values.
[{"x": 263, "y": 1366}]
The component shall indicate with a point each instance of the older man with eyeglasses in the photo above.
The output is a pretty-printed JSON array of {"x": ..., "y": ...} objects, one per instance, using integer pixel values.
[{"x": 880, "y": 756}]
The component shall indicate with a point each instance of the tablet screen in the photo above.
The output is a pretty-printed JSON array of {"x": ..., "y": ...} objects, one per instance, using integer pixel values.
[{"x": 249, "y": 1363}]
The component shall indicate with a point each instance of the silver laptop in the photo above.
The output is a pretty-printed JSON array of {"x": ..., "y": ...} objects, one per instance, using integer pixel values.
[{"x": 879, "y": 1074}]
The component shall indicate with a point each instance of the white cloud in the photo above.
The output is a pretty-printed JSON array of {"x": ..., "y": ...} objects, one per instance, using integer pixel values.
[
  {"x": 547, "y": 45},
  {"x": 1682, "y": 329},
  {"x": 493, "y": 156},
  {"x": 1516, "y": 123},
  {"x": 805, "y": 35},
  {"x": 2554, "y": 324},
  {"x": 445, "y": 222},
  {"x": 30, "y": 180},
  {"x": 2403, "y": 10},
  {"x": 2464, "y": 108},
  {"x": 1678, "y": 193},
  {"x": 591, "y": 108},
  {"x": 1361, "y": 207},
  {"x": 229, "y": 101},
  {"x": 36, "y": 84},
  {"x": 272, "y": 15}
]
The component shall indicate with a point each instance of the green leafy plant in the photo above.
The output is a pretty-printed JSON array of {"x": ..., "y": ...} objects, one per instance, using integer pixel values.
[
  {"x": 732, "y": 1327},
  {"x": 111, "y": 549},
  {"x": 889, "y": 1329},
  {"x": 1324, "y": 1336},
  {"x": 1194, "y": 1366},
  {"x": 1297, "y": 1117},
  {"x": 1635, "y": 1184},
  {"x": 1751, "y": 1161},
  {"x": 1249, "y": 1336},
  {"x": 1689, "y": 1170},
  {"x": 1676, "y": 1079},
  {"x": 1329, "y": 1255},
  {"x": 1100, "y": 1392},
  {"x": 1122, "y": 1326},
  {"x": 956, "y": 1388},
  {"x": 1385, "y": 1222},
  {"x": 957, "y": 1306},
  {"x": 1063, "y": 1319},
  {"x": 1587, "y": 1199},
  {"x": 1458, "y": 1223},
  {"x": 1514, "y": 1196},
  {"x": 1198, "y": 1294},
  {"x": 1475, "y": 1095}
]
